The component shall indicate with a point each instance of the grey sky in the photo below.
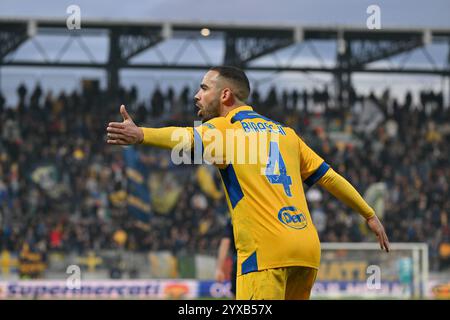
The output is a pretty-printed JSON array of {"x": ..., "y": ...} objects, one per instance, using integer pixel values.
[{"x": 412, "y": 13}]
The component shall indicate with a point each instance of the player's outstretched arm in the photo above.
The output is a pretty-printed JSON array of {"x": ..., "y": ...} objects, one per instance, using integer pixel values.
[
  {"x": 127, "y": 133},
  {"x": 345, "y": 192}
]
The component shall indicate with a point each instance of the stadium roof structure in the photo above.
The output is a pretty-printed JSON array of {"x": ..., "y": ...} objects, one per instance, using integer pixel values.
[{"x": 356, "y": 47}]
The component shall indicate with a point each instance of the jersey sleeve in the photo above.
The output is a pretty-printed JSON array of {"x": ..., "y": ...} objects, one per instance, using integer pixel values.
[
  {"x": 345, "y": 192},
  {"x": 210, "y": 142},
  {"x": 204, "y": 143},
  {"x": 167, "y": 137},
  {"x": 312, "y": 166}
]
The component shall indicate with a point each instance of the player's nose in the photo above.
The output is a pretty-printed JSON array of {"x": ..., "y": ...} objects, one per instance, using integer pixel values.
[{"x": 197, "y": 97}]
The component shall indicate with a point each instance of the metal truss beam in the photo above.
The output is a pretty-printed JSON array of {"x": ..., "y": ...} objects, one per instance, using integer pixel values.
[
  {"x": 366, "y": 51},
  {"x": 354, "y": 53},
  {"x": 343, "y": 77},
  {"x": 11, "y": 37},
  {"x": 193, "y": 67},
  {"x": 243, "y": 47},
  {"x": 125, "y": 43},
  {"x": 133, "y": 42}
]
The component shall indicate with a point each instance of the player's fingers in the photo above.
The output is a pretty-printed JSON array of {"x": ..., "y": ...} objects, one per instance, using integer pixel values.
[
  {"x": 386, "y": 243},
  {"x": 114, "y": 130},
  {"x": 380, "y": 241},
  {"x": 112, "y": 141},
  {"x": 383, "y": 243},
  {"x": 116, "y": 136},
  {"x": 124, "y": 113},
  {"x": 118, "y": 125},
  {"x": 117, "y": 142}
]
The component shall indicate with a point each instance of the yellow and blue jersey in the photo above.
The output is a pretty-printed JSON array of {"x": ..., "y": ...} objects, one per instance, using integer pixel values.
[{"x": 271, "y": 222}]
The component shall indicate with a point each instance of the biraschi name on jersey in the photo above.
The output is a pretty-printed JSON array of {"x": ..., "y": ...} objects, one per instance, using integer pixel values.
[{"x": 262, "y": 127}]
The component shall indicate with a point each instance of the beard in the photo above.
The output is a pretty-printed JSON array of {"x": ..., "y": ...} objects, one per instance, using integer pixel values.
[{"x": 210, "y": 111}]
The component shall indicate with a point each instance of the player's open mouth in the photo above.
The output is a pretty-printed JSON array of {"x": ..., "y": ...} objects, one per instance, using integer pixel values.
[{"x": 199, "y": 111}]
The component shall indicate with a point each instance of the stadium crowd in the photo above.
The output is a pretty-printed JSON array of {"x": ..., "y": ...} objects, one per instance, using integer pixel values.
[{"x": 62, "y": 188}]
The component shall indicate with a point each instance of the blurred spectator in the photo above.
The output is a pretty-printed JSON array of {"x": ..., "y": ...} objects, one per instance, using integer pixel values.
[
  {"x": 157, "y": 103},
  {"x": 2, "y": 102}
]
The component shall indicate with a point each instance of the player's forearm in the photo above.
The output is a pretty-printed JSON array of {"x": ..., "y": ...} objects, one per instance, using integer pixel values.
[
  {"x": 223, "y": 252},
  {"x": 345, "y": 192},
  {"x": 167, "y": 137}
]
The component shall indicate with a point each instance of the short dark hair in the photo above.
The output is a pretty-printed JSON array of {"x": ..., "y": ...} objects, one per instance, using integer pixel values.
[{"x": 236, "y": 76}]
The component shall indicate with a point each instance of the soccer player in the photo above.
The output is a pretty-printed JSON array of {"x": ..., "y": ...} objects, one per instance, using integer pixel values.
[{"x": 278, "y": 248}]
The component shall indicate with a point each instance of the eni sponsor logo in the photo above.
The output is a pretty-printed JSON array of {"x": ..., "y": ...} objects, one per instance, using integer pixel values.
[{"x": 291, "y": 218}]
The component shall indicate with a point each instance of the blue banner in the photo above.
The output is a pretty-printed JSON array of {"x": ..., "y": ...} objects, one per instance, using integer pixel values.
[
  {"x": 213, "y": 289},
  {"x": 138, "y": 194}
]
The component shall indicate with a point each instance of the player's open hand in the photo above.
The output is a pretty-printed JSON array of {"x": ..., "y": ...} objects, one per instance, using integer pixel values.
[
  {"x": 377, "y": 228},
  {"x": 126, "y": 132}
]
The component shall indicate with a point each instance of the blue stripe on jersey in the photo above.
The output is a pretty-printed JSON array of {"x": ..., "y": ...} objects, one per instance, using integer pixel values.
[
  {"x": 232, "y": 185},
  {"x": 250, "y": 264},
  {"x": 197, "y": 156},
  {"x": 247, "y": 114},
  {"x": 312, "y": 179}
]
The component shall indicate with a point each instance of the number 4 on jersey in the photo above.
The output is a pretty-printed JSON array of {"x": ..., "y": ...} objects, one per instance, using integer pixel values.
[{"x": 282, "y": 178}]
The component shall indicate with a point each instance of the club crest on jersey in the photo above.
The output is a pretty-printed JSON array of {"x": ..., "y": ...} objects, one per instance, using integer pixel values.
[{"x": 291, "y": 218}]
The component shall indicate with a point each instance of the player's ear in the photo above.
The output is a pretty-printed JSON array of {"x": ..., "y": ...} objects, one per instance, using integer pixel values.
[
  {"x": 224, "y": 94},
  {"x": 227, "y": 96}
]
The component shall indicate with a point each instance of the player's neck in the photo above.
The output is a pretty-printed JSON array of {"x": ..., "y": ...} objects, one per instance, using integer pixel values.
[{"x": 227, "y": 109}]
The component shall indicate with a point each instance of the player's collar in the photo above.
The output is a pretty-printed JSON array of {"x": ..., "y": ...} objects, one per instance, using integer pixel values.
[{"x": 238, "y": 109}]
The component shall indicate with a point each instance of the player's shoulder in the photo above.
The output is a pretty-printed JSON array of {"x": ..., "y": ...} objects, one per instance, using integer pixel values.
[
  {"x": 292, "y": 132},
  {"x": 217, "y": 123}
]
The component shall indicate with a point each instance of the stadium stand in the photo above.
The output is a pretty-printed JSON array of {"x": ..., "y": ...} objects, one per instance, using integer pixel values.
[{"x": 63, "y": 189}]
